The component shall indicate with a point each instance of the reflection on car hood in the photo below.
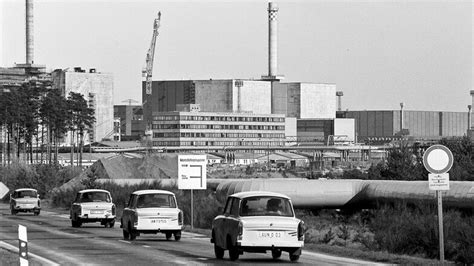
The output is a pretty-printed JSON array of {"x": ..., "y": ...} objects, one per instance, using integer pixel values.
[{"x": 270, "y": 221}]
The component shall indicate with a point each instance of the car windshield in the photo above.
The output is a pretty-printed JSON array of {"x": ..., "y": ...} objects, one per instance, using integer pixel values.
[
  {"x": 26, "y": 194},
  {"x": 156, "y": 201},
  {"x": 96, "y": 196},
  {"x": 266, "y": 206}
]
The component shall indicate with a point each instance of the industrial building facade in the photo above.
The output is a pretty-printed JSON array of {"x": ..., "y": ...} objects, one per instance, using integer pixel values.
[
  {"x": 130, "y": 117},
  {"x": 420, "y": 125},
  {"x": 97, "y": 89},
  {"x": 217, "y": 129}
]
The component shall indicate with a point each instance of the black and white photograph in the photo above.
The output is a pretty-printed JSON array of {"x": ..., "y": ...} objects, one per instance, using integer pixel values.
[{"x": 253, "y": 132}]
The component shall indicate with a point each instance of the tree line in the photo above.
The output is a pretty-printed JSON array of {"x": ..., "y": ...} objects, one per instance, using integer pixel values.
[{"x": 34, "y": 120}]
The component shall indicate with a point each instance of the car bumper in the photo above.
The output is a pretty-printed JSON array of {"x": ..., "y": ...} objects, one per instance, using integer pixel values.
[
  {"x": 26, "y": 207},
  {"x": 269, "y": 246}
]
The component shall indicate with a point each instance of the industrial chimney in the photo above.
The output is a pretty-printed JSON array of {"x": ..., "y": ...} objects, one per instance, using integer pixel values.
[
  {"x": 272, "y": 43},
  {"x": 29, "y": 32}
]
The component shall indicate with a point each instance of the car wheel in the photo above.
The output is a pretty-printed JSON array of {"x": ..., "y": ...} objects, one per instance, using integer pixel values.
[
  {"x": 133, "y": 235},
  {"x": 276, "y": 254},
  {"x": 126, "y": 235},
  {"x": 111, "y": 224},
  {"x": 177, "y": 236},
  {"x": 218, "y": 251},
  {"x": 233, "y": 251},
  {"x": 37, "y": 212},
  {"x": 168, "y": 236},
  {"x": 294, "y": 257}
]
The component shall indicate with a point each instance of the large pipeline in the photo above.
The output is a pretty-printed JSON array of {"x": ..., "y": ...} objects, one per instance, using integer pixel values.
[{"x": 347, "y": 193}]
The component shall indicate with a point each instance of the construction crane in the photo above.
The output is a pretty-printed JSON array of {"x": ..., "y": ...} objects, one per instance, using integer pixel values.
[{"x": 147, "y": 72}]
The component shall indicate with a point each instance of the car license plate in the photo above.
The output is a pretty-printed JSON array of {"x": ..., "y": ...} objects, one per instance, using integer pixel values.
[
  {"x": 158, "y": 221},
  {"x": 96, "y": 212},
  {"x": 270, "y": 234}
]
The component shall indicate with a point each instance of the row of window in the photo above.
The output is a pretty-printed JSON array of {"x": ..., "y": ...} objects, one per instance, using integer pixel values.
[
  {"x": 217, "y": 118},
  {"x": 231, "y": 127},
  {"x": 217, "y": 143},
  {"x": 216, "y": 135}
]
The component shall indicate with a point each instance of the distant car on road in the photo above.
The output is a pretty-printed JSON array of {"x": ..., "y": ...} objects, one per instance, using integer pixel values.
[
  {"x": 152, "y": 212},
  {"x": 25, "y": 200},
  {"x": 93, "y": 205},
  {"x": 258, "y": 221}
]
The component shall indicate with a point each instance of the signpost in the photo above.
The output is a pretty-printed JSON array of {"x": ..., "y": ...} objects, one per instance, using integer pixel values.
[
  {"x": 438, "y": 160},
  {"x": 192, "y": 175}
]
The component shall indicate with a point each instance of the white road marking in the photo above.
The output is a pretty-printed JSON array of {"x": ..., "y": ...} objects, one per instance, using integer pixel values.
[
  {"x": 340, "y": 259},
  {"x": 145, "y": 246},
  {"x": 128, "y": 242},
  {"x": 180, "y": 262}
]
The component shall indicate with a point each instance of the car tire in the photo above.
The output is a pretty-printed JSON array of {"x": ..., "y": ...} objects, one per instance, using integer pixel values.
[
  {"x": 37, "y": 213},
  {"x": 168, "y": 236},
  {"x": 111, "y": 224},
  {"x": 294, "y": 258},
  {"x": 177, "y": 236},
  {"x": 276, "y": 254},
  {"x": 218, "y": 251},
  {"x": 233, "y": 251}
]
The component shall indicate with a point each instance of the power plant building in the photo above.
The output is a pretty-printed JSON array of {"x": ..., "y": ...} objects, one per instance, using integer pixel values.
[
  {"x": 130, "y": 120},
  {"x": 417, "y": 125},
  {"x": 97, "y": 89}
]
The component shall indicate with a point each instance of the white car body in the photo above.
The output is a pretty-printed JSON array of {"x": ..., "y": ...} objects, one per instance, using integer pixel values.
[
  {"x": 151, "y": 212},
  {"x": 97, "y": 207},
  {"x": 25, "y": 200},
  {"x": 256, "y": 229}
]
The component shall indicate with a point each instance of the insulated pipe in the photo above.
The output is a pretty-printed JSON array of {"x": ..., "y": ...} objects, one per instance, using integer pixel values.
[
  {"x": 29, "y": 32},
  {"x": 272, "y": 39},
  {"x": 351, "y": 193}
]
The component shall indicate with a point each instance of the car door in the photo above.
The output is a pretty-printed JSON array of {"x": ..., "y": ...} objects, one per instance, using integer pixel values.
[{"x": 220, "y": 229}]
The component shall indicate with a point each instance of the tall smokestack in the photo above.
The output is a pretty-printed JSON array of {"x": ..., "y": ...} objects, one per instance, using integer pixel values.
[
  {"x": 272, "y": 43},
  {"x": 29, "y": 32},
  {"x": 272, "y": 39}
]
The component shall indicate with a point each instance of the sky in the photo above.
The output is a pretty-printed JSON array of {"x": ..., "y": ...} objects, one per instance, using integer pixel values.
[{"x": 379, "y": 53}]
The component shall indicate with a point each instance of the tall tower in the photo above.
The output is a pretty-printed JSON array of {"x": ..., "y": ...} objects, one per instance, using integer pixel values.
[
  {"x": 272, "y": 43},
  {"x": 29, "y": 32}
]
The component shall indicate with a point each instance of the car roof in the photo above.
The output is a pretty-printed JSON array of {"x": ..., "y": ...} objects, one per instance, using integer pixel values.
[
  {"x": 93, "y": 190},
  {"x": 152, "y": 191},
  {"x": 247, "y": 194},
  {"x": 26, "y": 189}
]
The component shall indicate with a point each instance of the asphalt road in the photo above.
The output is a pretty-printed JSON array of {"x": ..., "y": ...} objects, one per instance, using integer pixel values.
[{"x": 53, "y": 241}]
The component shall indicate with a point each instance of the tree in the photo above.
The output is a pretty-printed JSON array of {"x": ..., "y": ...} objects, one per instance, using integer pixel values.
[{"x": 463, "y": 157}]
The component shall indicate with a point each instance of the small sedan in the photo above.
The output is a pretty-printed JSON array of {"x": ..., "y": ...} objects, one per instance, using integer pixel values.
[
  {"x": 152, "y": 212},
  {"x": 258, "y": 221},
  {"x": 92, "y": 205},
  {"x": 25, "y": 200}
]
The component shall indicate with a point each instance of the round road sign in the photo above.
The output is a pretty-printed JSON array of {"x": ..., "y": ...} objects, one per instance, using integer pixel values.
[{"x": 438, "y": 159}]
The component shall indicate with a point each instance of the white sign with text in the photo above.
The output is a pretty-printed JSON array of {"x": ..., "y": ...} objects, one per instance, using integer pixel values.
[
  {"x": 438, "y": 181},
  {"x": 192, "y": 171}
]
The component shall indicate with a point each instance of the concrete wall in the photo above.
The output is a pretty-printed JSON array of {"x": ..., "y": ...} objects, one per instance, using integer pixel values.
[
  {"x": 314, "y": 129},
  {"x": 255, "y": 96},
  {"x": 101, "y": 85},
  {"x": 290, "y": 128},
  {"x": 345, "y": 126},
  {"x": 214, "y": 95},
  {"x": 293, "y": 100},
  {"x": 317, "y": 101},
  {"x": 279, "y": 98}
]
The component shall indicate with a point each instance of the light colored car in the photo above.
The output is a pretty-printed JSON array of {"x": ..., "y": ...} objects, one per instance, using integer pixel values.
[
  {"x": 152, "y": 212},
  {"x": 258, "y": 221},
  {"x": 25, "y": 200},
  {"x": 93, "y": 205}
]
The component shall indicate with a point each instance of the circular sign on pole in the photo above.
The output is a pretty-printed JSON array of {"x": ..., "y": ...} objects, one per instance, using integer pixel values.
[{"x": 438, "y": 159}]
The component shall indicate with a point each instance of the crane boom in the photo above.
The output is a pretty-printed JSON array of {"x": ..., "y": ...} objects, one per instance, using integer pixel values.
[{"x": 148, "y": 71}]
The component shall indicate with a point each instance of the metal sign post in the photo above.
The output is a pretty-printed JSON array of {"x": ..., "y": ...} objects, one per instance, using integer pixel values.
[
  {"x": 438, "y": 160},
  {"x": 192, "y": 175}
]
